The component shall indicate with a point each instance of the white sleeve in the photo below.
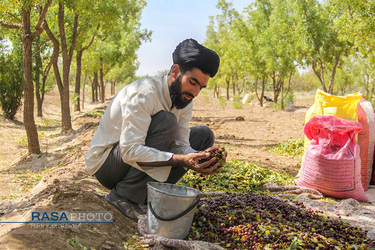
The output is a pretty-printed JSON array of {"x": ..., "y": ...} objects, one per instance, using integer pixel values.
[{"x": 136, "y": 118}]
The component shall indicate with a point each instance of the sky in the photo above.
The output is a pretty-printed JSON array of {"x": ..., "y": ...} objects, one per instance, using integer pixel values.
[{"x": 172, "y": 21}]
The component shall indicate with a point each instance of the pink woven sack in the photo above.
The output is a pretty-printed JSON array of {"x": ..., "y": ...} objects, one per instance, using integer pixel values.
[{"x": 332, "y": 163}]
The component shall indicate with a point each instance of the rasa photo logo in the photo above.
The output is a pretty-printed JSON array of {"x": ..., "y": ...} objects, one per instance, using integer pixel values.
[{"x": 71, "y": 217}]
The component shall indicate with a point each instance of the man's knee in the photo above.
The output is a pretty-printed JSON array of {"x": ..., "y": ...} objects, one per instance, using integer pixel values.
[
  {"x": 163, "y": 121},
  {"x": 201, "y": 137}
]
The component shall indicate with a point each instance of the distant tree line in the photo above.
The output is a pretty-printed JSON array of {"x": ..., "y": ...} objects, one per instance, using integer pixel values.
[{"x": 294, "y": 45}]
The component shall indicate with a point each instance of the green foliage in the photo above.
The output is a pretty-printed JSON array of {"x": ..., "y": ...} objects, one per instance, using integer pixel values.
[
  {"x": 74, "y": 97},
  {"x": 268, "y": 40},
  {"x": 47, "y": 122},
  {"x": 290, "y": 97},
  {"x": 14, "y": 196},
  {"x": 94, "y": 114},
  {"x": 237, "y": 104},
  {"x": 292, "y": 147},
  {"x": 237, "y": 176},
  {"x": 305, "y": 81},
  {"x": 275, "y": 105},
  {"x": 223, "y": 102},
  {"x": 74, "y": 242},
  {"x": 11, "y": 79}
]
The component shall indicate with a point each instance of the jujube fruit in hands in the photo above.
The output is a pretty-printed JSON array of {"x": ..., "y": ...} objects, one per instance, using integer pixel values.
[{"x": 217, "y": 153}]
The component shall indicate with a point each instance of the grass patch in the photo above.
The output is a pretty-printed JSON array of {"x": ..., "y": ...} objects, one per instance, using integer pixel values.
[
  {"x": 292, "y": 147},
  {"x": 94, "y": 114},
  {"x": 26, "y": 178},
  {"x": 49, "y": 123},
  {"x": 223, "y": 102}
]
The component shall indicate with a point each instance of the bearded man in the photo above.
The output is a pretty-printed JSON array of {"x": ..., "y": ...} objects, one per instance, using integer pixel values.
[{"x": 144, "y": 134}]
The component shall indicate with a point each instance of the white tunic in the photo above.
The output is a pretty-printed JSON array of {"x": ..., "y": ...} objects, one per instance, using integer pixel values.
[{"x": 126, "y": 120}]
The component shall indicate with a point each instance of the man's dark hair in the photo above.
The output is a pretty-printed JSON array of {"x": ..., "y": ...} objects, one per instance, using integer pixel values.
[{"x": 190, "y": 54}]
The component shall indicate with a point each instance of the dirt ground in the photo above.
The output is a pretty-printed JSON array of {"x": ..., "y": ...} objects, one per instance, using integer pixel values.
[{"x": 57, "y": 180}]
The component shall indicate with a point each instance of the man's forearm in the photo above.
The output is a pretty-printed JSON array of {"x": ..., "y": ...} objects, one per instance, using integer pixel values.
[{"x": 175, "y": 160}]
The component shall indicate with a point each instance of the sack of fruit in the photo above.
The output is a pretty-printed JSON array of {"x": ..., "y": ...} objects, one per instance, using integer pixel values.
[
  {"x": 332, "y": 164},
  {"x": 350, "y": 107}
]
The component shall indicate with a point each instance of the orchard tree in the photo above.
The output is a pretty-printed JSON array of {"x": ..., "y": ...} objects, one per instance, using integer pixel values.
[
  {"x": 119, "y": 42},
  {"x": 320, "y": 44},
  {"x": 355, "y": 19},
  {"x": 280, "y": 50},
  {"x": 17, "y": 15},
  {"x": 81, "y": 48},
  {"x": 222, "y": 37},
  {"x": 63, "y": 34},
  {"x": 250, "y": 30},
  {"x": 80, "y": 24}
]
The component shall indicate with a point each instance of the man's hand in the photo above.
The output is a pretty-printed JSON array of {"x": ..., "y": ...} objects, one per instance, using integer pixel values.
[
  {"x": 191, "y": 161},
  {"x": 219, "y": 153},
  {"x": 201, "y": 162}
]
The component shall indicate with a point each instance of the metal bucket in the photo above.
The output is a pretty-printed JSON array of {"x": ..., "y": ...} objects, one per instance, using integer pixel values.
[{"x": 171, "y": 209}]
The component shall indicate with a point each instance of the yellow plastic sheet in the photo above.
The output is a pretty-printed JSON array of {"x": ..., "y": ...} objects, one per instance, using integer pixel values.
[{"x": 344, "y": 107}]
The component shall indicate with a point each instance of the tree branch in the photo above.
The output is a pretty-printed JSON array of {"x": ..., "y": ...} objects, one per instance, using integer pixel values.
[
  {"x": 38, "y": 26},
  {"x": 11, "y": 25},
  {"x": 92, "y": 39},
  {"x": 43, "y": 15},
  {"x": 74, "y": 38}
]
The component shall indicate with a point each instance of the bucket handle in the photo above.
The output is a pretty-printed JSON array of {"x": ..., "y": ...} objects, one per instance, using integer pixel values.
[{"x": 176, "y": 216}]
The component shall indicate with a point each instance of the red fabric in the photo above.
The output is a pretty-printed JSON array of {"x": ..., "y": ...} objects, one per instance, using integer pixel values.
[{"x": 332, "y": 164}]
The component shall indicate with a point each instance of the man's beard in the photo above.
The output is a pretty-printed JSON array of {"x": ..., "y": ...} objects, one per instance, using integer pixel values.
[{"x": 176, "y": 95}]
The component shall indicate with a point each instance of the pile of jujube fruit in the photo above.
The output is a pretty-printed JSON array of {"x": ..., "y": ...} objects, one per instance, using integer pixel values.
[{"x": 250, "y": 221}]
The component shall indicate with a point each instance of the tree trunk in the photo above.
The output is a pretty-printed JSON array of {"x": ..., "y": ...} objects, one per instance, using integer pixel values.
[
  {"x": 78, "y": 81},
  {"x": 228, "y": 86},
  {"x": 28, "y": 86},
  {"x": 66, "y": 122},
  {"x": 79, "y": 73},
  {"x": 54, "y": 59},
  {"x": 83, "y": 90},
  {"x": 217, "y": 91},
  {"x": 262, "y": 91},
  {"x": 282, "y": 94},
  {"x": 113, "y": 87},
  {"x": 330, "y": 86},
  {"x": 260, "y": 98},
  {"x": 276, "y": 83},
  {"x": 95, "y": 87},
  {"x": 37, "y": 75},
  {"x": 234, "y": 85},
  {"x": 320, "y": 75},
  {"x": 45, "y": 73},
  {"x": 102, "y": 88}
]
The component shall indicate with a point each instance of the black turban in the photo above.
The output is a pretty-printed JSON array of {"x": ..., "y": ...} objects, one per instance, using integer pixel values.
[{"x": 190, "y": 54}]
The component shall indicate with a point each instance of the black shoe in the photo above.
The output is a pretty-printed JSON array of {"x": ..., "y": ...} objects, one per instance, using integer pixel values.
[{"x": 127, "y": 207}]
